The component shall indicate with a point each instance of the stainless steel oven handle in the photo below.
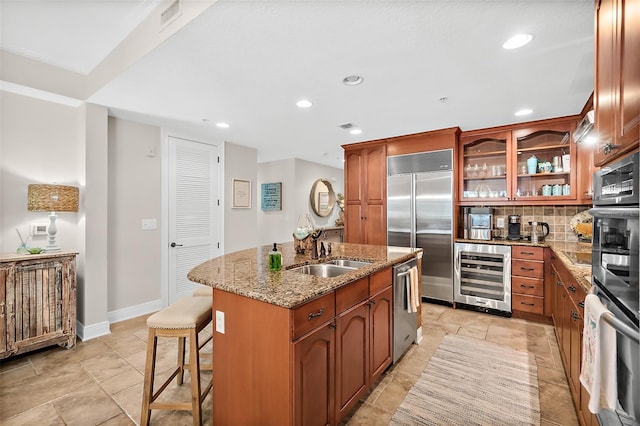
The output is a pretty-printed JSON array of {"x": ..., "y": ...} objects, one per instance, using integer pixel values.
[
  {"x": 618, "y": 325},
  {"x": 622, "y": 327},
  {"x": 619, "y": 212}
]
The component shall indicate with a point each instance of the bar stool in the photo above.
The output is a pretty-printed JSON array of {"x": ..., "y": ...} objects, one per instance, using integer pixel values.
[
  {"x": 203, "y": 291},
  {"x": 184, "y": 320}
]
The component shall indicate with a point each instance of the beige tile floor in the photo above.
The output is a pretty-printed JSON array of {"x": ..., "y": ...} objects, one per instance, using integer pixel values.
[{"x": 100, "y": 381}]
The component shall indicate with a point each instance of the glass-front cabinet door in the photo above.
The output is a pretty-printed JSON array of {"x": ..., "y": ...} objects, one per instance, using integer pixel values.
[
  {"x": 484, "y": 168},
  {"x": 542, "y": 164}
]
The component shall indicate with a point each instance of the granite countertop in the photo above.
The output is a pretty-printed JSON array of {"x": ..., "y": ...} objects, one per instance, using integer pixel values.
[
  {"x": 14, "y": 257},
  {"x": 246, "y": 272},
  {"x": 581, "y": 272}
]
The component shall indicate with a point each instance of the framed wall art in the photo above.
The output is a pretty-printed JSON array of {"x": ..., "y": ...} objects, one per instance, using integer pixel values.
[
  {"x": 241, "y": 194},
  {"x": 271, "y": 196}
]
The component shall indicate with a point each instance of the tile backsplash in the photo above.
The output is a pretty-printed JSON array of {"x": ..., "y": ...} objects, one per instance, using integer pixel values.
[{"x": 557, "y": 217}]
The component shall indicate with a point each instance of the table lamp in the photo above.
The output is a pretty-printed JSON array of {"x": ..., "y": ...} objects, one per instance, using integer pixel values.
[{"x": 52, "y": 198}]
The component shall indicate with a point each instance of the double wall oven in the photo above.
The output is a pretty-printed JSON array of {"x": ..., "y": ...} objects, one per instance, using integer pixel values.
[{"x": 615, "y": 258}]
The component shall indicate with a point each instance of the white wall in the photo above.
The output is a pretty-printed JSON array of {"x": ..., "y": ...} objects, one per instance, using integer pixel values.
[
  {"x": 240, "y": 227},
  {"x": 93, "y": 267},
  {"x": 38, "y": 144},
  {"x": 134, "y": 194},
  {"x": 297, "y": 177}
]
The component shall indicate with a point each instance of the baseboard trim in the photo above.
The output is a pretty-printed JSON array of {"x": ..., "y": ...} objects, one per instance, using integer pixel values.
[
  {"x": 134, "y": 311},
  {"x": 88, "y": 332}
]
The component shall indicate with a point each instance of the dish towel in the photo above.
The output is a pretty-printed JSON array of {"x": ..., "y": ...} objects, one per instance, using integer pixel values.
[
  {"x": 414, "y": 293},
  {"x": 598, "y": 370}
]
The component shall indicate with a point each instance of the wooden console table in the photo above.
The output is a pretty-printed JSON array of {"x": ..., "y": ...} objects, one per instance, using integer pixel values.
[{"x": 37, "y": 301}]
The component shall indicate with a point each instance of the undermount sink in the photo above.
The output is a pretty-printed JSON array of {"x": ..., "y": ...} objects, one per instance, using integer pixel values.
[
  {"x": 349, "y": 263},
  {"x": 580, "y": 258},
  {"x": 324, "y": 270}
]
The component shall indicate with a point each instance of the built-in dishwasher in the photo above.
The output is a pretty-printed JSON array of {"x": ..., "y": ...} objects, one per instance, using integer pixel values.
[
  {"x": 483, "y": 276},
  {"x": 405, "y": 323}
]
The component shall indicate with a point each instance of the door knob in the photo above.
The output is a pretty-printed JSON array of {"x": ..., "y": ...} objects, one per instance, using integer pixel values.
[{"x": 176, "y": 245}]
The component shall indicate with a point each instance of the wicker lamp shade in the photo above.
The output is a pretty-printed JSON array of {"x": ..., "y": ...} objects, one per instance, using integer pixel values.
[{"x": 52, "y": 198}]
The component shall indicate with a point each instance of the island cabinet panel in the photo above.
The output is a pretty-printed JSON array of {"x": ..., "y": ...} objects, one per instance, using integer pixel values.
[
  {"x": 617, "y": 67},
  {"x": 314, "y": 373},
  {"x": 309, "y": 365},
  {"x": 365, "y": 193},
  {"x": 313, "y": 314},
  {"x": 381, "y": 326},
  {"x": 37, "y": 302},
  {"x": 352, "y": 361}
]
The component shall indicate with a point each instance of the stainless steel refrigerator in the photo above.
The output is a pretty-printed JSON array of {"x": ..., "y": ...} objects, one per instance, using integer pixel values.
[{"x": 420, "y": 214}]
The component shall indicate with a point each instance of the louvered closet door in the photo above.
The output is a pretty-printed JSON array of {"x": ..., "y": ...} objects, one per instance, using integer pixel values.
[{"x": 193, "y": 211}]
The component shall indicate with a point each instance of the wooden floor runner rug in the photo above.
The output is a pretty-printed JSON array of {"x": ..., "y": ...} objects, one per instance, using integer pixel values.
[{"x": 473, "y": 382}]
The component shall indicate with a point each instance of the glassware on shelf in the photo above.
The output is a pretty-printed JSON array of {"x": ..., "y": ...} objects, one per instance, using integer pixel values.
[{"x": 484, "y": 172}]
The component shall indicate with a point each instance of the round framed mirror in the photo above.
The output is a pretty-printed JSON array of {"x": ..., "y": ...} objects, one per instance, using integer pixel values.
[{"x": 322, "y": 197}]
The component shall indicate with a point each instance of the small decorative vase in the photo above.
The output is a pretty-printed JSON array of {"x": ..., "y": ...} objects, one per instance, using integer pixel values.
[
  {"x": 22, "y": 249},
  {"x": 532, "y": 165}
]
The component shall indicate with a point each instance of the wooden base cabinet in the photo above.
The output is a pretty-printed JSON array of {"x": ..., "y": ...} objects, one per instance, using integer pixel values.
[
  {"x": 568, "y": 314},
  {"x": 37, "y": 302},
  {"x": 527, "y": 279},
  {"x": 304, "y": 366},
  {"x": 314, "y": 373}
]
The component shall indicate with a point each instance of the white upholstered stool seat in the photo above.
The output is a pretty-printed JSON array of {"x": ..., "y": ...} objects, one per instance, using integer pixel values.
[
  {"x": 184, "y": 320},
  {"x": 203, "y": 291}
]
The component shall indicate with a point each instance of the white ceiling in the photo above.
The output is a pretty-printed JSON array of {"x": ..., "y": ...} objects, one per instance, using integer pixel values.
[{"x": 248, "y": 62}]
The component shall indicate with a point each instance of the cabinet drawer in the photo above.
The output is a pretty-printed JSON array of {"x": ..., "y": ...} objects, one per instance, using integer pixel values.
[
  {"x": 313, "y": 314},
  {"x": 526, "y": 268},
  {"x": 380, "y": 280},
  {"x": 527, "y": 253},
  {"x": 526, "y": 303},
  {"x": 351, "y": 294},
  {"x": 530, "y": 286}
]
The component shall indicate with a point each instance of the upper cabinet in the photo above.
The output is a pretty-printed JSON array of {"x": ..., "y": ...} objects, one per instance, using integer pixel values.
[
  {"x": 617, "y": 88},
  {"x": 485, "y": 166},
  {"x": 544, "y": 163},
  {"x": 365, "y": 171},
  {"x": 530, "y": 163}
]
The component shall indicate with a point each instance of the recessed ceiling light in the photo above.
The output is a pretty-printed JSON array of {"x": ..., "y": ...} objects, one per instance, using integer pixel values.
[
  {"x": 304, "y": 103},
  {"x": 353, "y": 80},
  {"x": 355, "y": 131},
  {"x": 517, "y": 41},
  {"x": 525, "y": 111},
  {"x": 223, "y": 125}
]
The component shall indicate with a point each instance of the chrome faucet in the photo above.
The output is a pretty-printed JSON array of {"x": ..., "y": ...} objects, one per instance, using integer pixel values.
[{"x": 314, "y": 243}]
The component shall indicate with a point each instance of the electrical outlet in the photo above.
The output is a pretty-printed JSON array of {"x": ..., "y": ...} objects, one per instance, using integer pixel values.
[
  {"x": 220, "y": 322},
  {"x": 149, "y": 224},
  {"x": 500, "y": 223}
]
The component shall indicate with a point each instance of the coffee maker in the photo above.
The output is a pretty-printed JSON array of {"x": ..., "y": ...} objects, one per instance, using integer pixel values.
[{"x": 514, "y": 227}]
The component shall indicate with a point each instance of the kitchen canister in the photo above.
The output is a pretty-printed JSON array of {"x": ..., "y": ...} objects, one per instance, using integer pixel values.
[
  {"x": 556, "y": 190},
  {"x": 566, "y": 163},
  {"x": 546, "y": 190},
  {"x": 532, "y": 165},
  {"x": 566, "y": 189}
]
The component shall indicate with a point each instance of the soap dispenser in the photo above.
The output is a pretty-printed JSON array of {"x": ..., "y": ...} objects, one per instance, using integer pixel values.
[{"x": 275, "y": 259}]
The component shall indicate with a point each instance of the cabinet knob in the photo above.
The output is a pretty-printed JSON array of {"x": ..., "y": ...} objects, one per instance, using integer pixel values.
[{"x": 608, "y": 147}]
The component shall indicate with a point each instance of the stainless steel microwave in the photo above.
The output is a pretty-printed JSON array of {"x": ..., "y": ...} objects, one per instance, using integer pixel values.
[{"x": 617, "y": 183}]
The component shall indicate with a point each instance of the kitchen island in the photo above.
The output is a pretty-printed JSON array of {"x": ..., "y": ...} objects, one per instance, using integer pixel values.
[{"x": 291, "y": 348}]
